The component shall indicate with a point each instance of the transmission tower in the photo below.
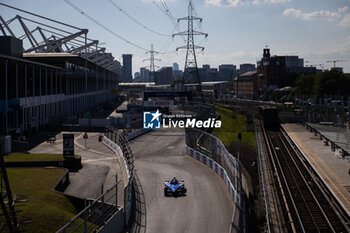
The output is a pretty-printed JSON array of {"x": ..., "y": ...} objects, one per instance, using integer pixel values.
[
  {"x": 191, "y": 60},
  {"x": 152, "y": 59}
]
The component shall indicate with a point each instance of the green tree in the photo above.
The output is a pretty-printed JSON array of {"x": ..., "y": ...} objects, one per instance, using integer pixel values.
[
  {"x": 304, "y": 84},
  {"x": 331, "y": 82}
]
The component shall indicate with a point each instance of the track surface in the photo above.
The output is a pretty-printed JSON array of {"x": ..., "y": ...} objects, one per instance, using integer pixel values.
[{"x": 207, "y": 207}]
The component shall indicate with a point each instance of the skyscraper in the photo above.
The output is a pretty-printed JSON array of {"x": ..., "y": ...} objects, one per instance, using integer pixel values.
[
  {"x": 127, "y": 68},
  {"x": 175, "y": 66}
]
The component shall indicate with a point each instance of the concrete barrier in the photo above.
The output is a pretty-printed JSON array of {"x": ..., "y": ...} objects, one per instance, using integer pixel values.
[
  {"x": 217, "y": 168},
  {"x": 128, "y": 191},
  {"x": 118, "y": 151},
  {"x": 63, "y": 183}
]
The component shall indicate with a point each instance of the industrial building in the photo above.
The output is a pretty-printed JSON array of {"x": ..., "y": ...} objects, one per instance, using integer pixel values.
[
  {"x": 212, "y": 90},
  {"x": 276, "y": 71},
  {"x": 247, "y": 85}
]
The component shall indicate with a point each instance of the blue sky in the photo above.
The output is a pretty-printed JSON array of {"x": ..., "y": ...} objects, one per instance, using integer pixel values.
[{"x": 238, "y": 29}]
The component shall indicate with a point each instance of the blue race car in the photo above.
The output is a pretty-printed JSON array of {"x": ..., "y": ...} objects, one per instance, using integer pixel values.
[{"x": 174, "y": 187}]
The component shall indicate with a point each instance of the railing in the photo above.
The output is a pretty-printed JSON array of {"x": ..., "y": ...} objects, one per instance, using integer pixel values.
[
  {"x": 334, "y": 145},
  {"x": 119, "y": 142},
  {"x": 95, "y": 213},
  {"x": 202, "y": 110},
  {"x": 222, "y": 162}
]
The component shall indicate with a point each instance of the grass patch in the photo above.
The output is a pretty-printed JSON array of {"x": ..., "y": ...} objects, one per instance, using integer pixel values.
[
  {"x": 232, "y": 124},
  {"x": 20, "y": 157},
  {"x": 44, "y": 207}
]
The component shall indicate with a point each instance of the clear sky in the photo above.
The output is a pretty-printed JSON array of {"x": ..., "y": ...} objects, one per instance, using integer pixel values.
[{"x": 238, "y": 30}]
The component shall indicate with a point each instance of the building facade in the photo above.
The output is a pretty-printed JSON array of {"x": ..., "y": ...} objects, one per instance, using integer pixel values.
[
  {"x": 246, "y": 67},
  {"x": 164, "y": 76},
  {"x": 271, "y": 70},
  {"x": 39, "y": 90},
  {"x": 247, "y": 85},
  {"x": 226, "y": 72},
  {"x": 280, "y": 71},
  {"x": 127, "y": 68}
]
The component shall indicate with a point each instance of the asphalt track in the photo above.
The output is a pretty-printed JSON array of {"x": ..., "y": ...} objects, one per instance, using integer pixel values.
[{"x": 207, "y": 207}]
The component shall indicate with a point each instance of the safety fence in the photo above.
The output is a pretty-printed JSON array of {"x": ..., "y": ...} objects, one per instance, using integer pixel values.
[
  {"x": 103, "y": 214},
  {"x": 117, "y": 141},
  {"x": 95, "y": 214},
  {"x": 210, "y": 150},
  {"x": 201, "y": 110}
]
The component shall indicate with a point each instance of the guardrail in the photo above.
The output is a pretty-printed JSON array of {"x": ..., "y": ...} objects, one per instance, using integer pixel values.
[
  {"x": 95, "y": 213},
  {"x": 117, "y": 142},
  {"x": 104, "y": 214},
  {"x": 211, "y": 151},
  {"x": 334, "y": 145}
]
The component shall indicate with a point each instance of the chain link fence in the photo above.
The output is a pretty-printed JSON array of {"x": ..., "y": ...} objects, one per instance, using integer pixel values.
[{"x": 212, "y": 147}]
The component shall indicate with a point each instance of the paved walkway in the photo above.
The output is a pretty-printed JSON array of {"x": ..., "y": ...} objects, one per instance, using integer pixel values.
[
  {"x": 339, "y": 136},
  {"x": 100, "y": 166},
  {"x": 332, "y": 168}
]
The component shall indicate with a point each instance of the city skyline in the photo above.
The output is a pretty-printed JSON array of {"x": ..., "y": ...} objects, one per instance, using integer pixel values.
[{"x": 238, "y": 30}]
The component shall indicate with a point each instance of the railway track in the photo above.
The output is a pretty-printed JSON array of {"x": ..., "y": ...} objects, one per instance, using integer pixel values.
[{"x": 308, "y": 207}]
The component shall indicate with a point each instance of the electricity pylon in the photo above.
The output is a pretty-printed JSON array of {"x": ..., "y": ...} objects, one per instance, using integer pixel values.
[
  {"x": 152, "y": 59},
  {"x": 191, "y": 60}
]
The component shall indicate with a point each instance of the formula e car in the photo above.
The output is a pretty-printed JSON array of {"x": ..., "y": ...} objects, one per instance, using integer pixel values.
[{"x": 174, "y": 188}]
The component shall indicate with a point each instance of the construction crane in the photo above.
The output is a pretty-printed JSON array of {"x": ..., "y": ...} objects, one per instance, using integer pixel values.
[
  {"x": 335, "y": 61},
  {"x": 321, "y": 65}
]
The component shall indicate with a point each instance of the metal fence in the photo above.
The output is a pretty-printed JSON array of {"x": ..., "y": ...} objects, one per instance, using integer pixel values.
[
  {"x": 201, "y": 110},
  {"x": 95, "y": 213},
  {"x": 213, "y": 148},
  {"x": 119, "y": 138}
]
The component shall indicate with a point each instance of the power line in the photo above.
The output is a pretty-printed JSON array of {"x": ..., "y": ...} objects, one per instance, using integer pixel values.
[
  {"x": 166, "y": 46},
  {"x": 167, "y": 12},
  {"x": 191, "y": 60},
  {"x": 136, "y": 21},
  {"x": 103, "y": 26}
]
